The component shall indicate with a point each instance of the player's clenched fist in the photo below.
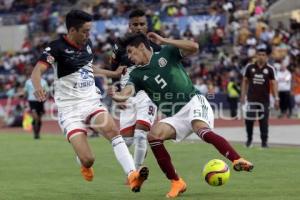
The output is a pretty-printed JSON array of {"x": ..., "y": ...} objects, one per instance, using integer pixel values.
[{"x": 156, "y": 38}]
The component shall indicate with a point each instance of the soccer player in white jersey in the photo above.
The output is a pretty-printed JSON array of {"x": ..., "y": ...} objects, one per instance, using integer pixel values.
[
  {"x": 140, "y": 112},
  {"x": 78, "y": 99}
]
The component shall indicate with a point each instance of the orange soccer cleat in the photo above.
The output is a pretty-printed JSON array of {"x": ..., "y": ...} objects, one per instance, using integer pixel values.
[
  {"x": 87, "y": 173},
  {"x": 137, "y": 178},
  {"x": 242, "y": 165},
  {"x": 177, "y": 187}
]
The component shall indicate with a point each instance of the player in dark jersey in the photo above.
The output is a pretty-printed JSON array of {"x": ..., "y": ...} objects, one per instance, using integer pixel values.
[
  {"x": 78, "y": 99},
  {"x": 136, "y": 119},
  {"x": 162, "y": 76},
  {"x": 259, "y": 79}
]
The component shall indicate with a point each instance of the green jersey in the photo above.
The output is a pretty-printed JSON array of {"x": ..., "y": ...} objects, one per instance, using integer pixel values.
[{"x": 164, "y": 80}]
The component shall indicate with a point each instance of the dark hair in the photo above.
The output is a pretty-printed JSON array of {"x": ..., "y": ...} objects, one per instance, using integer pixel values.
[
  {"x": 136, "y": 13},
  {"x": 135, "y": 39},
  {"x": 76, "y": 18}
]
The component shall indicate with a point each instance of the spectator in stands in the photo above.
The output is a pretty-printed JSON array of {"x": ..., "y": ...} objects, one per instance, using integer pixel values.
[
  {"x": 284, "y": 88},
  {"x": 233, "y": 94},
  {"x": 201, "y": 86},
  {"x": 296, "y": 90},
  {"x": 175, "y": 33},
  {"x": 15, "y": 118}
]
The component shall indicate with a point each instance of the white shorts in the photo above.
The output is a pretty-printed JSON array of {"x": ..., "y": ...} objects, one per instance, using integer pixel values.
[
  {"x": 140, "y": 110},
  {"x": 76, "y": 119},
  {"x": 197, "y": 108}
]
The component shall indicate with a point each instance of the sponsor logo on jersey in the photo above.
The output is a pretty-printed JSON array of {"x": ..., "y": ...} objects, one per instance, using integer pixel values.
[
  {"x": 84, "y": 84},
  {"x": 84, "y": 73},
  {"x": 145, "y": 77},
  {"x": 162, "y": 62},
  {"x": 47, "y": 49},
  {"x": 266, "y": 71},
  {"x": 89, "y": 50},
  {"x": 50, "y": 59}
]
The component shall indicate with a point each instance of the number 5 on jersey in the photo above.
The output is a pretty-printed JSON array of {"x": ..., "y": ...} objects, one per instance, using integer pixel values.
[{"x": 160, "y": 80}]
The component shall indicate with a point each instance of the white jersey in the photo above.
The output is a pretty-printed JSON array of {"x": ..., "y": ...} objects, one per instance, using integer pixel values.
[
  {"x": 284, "y": 79},
  {"x": 76, "y": 87},
  {"x": 74, "y": 80}
]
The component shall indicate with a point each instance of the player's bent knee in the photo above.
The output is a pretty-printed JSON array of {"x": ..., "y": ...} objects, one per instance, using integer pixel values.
[
  {"x": 198, "y": 124},
  {"x": 155, "y": 135}
]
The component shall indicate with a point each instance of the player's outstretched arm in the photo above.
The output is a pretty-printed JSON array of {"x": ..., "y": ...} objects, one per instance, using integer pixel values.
[
  {"x": 108, "y": 73},
  {"x": 123, "y": 95},
  {"x": 36, "y": 75},
  {"x": 187, "y": 47}
]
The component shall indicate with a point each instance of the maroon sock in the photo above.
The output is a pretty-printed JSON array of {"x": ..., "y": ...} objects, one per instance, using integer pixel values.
[
  {"x": 207, "y": 135},
  {"x": 163, "y": 159}
]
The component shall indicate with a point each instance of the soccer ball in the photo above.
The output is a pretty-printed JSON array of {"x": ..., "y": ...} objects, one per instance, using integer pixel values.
[{"x": 216, "y": 172}]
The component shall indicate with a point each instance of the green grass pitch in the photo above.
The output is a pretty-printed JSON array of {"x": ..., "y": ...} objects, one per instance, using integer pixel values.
[{"x": 46, "y": 169}]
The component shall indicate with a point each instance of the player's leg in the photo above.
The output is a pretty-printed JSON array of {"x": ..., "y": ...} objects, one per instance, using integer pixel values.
[
  {"x": 78, "y": 140},
  {"x": 140, "y": 142},
  {"x": 127, "y": 133},
  {"x": 264, "y": 126},
  {"x": 71, "y": 122},
  {"x": 282, "y": 103},
  {"x": 250, "y": 117},
  {"x": 145, "y": 114},
  {"x": 103, "y": 122},
  {"x": 202, "y": 121},
  {"x": 35, "y": 124},
  {"x": 221, "y": 144},
  {"x": 160, "y": 132},
  {"x": 40, "y": 112},
  {"x": 127, "y": 123}
]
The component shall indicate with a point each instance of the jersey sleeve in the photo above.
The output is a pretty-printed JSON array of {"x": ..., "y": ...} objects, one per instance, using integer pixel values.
[
  {"x": 49, "y": 55},
  {"x": 173, "y": 52},
  {"x": 246, "y": 72}
]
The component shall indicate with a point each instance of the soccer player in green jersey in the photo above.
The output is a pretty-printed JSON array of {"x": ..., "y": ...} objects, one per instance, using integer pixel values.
[{"x": 162, "y": 76}]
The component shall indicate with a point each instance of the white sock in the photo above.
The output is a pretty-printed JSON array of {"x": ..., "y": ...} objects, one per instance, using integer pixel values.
[
  {"x": 140, "y": 141},
  {"x": 122, "y": 154},
  {"x": 128, "y": 141}
]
